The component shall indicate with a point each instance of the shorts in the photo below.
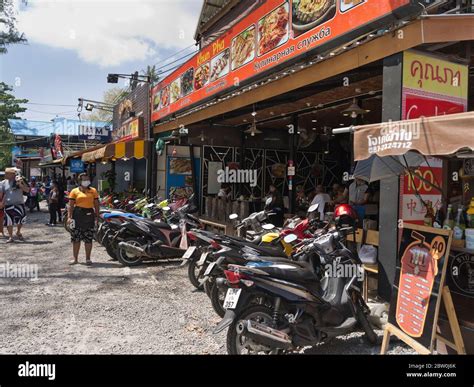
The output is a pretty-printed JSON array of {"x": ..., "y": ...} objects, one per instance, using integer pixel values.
[
  {"x": 14, "y": 215},
  {"x": 78, "y": 235}
]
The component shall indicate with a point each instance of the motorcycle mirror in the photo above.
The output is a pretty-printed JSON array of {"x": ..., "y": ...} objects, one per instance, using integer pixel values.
[
  {"x": 116, "y": 201},
  {"x": 233, "y": 216},
  {"x": 313, "y": 208},
  {"x": 174, "y": 227},
  {"x": 268, "y": 201},
  {"x": 166, "y": 208},
  {"x": 149, "y": 205},
  {"x": 268, "y": 226},
  {"x": 131, "y": 202},
  {"x": 290, "y": 238}
]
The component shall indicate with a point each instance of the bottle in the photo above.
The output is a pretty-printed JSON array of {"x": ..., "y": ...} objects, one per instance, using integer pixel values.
[
  {"x": 438, "y": 220},
  {"x": 429, "y": 216},
  {"x": 448, "y": 223},
  {"x": 459, "y": 226},
  {"x": 470, "y": 214}
]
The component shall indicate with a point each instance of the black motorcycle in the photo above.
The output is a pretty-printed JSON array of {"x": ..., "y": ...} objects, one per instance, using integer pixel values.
[
  {"x": 144, "y": 239},
  {"x": 280, "y": 307}
]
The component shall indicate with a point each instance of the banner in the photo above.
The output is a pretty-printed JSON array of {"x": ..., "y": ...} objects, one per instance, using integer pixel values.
[
  {"x": 432, "y": 86},
  {"x": 275, "y": 33}
]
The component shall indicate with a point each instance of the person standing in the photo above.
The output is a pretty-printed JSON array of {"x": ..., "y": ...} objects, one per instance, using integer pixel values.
[
  {"x": 53, "y": 201},
  {"x": 12, "y": 202},
  {"x": 83, "y": 213}
]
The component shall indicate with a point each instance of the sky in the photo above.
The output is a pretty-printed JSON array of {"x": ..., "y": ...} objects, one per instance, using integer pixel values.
[{"x": 73, "y": 45}]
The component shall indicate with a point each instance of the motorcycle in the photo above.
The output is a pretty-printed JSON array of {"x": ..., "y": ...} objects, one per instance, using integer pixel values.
[
  {"x": 140, "y": 239},
  {"x": 274, "y": 307}
]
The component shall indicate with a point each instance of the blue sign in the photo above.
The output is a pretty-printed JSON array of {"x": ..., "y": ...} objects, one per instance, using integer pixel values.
[{"x": 76, "y": 166}]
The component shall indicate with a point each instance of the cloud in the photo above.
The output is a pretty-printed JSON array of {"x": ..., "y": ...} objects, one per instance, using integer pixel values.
[{"x": 111, "y": 32}]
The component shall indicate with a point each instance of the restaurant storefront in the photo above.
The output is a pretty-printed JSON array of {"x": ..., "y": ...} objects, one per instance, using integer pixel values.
[{"x": 270, "y": 106}]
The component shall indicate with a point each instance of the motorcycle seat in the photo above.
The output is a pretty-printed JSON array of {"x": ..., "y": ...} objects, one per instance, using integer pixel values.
[
  {"x": 289, "y": 270},
  {"x": 158, "y": 225},
  {"x": 266, "y": 259}
]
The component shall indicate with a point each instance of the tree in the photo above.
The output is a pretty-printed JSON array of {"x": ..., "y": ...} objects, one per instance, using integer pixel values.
[
  {"x": 9, "y": 108},
  {"x": 111, "y": 97},
  {"x": 152, "y": 73},
  {"x": 8, "y": 32}
]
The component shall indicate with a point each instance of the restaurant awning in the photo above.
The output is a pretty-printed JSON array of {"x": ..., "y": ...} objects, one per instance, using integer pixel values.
[
  {"x": 431, "y": 136},
  {"x": 120, "y": 150},
  {"x": 51, "y": 164}
]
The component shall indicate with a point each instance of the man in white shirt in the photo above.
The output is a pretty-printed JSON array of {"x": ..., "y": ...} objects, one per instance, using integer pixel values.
[{"x": 321, "y": 199}]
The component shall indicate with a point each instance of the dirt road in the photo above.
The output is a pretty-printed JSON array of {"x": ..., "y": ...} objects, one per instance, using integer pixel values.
[{"x": 107, "y": 308}]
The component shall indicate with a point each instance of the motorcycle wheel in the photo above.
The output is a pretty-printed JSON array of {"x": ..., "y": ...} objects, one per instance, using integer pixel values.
[
  {"x": 238, "y": 344},
  {"x": 370, "y": 335},
  {"x": 193, "y": 272},
  {"x": 208, "y": 287},
  {"x": 111, "y": 251},
  {"x": 124, "y": 258},
  {"x": 217, "y": 298}
]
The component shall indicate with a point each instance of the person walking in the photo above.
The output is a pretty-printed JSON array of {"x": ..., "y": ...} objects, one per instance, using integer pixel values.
[
  {"x": 53, "y": 201},
  {"x": 83, "y": 213},
  {"x": 12, "y": 202}
]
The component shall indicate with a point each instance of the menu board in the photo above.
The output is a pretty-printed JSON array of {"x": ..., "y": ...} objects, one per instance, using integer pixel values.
[
  {"x": 276, "y": 32},
  {"x": 420, "y": 275}
]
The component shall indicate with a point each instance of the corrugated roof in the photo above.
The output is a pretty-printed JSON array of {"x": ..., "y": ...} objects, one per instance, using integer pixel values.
[{"x": 210, "y": 9}]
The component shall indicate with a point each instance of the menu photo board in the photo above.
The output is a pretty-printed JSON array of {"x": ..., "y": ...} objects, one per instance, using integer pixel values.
[
  {"x": 419, "y": 281},
  {"x": 274, "y": 34}
]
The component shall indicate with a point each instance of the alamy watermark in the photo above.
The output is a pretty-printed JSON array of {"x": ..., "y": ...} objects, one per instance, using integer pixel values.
[
  {"x": 339, "y": 270},
  {"x": 227, "y": 175},
  {"x": 18, "y": 270}
]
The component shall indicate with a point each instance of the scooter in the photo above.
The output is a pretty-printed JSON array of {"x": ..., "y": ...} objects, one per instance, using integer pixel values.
[
  {"x": 275, "y": 308},
  {"x": 142, "y": 239}
]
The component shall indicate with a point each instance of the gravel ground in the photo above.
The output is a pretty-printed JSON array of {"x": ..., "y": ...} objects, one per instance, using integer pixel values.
[{"x": 107, "y": 308}]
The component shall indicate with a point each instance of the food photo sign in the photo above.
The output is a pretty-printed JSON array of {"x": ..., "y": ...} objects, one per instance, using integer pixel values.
[
  {"x": 274, "y": 34},
  {"x": 418, "y": 286}
]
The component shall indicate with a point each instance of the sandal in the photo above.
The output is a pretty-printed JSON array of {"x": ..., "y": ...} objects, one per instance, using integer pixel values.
[
  {"x": 88, "y": 262},
  {"x": 20, "y": 237},
  {"x": 10, "y": 240},
  {"x": 73, "y": 262}
]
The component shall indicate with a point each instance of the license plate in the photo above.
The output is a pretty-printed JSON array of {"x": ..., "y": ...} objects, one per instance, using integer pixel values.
[
  {"x": 203, "y": 259},
  {"x": 232, "y": 298},
  {"x": 209, "y": 269},
  {"x": 189, "y": 252}
]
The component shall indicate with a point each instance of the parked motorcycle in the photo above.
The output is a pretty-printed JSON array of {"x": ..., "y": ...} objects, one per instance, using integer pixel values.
[
  {"x": 274, "y": 307},
  {"x": 141, "y": 239}
]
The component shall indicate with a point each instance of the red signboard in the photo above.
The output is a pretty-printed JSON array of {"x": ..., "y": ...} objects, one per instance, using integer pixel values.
[{"x": 276, "y": 32}]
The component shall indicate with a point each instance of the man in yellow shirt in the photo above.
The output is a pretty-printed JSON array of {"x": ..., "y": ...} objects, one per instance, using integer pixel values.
[{"x": 83, "y": 213}]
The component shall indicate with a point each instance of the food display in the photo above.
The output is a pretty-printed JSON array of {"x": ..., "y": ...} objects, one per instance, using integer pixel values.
[
  {"x": 201, "y": 77},
  {"x": 156, "y": 101},
  {"x": 187, "y": 81},
  {"x": 243, "y": 48},
  {"x": 273, "y": 29},
  {"x": 308, "y": 14},
  {"x": 348, "y": 4},
  {"x": 165, "y": 96},
  {"x": 220, "y": 65},
  {"x": 180, "y": 166},
  {"x": 175, "y": 90}
]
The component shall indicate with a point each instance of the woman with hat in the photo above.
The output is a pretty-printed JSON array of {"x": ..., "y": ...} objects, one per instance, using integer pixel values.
[{"x": 12, "y": 202}]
